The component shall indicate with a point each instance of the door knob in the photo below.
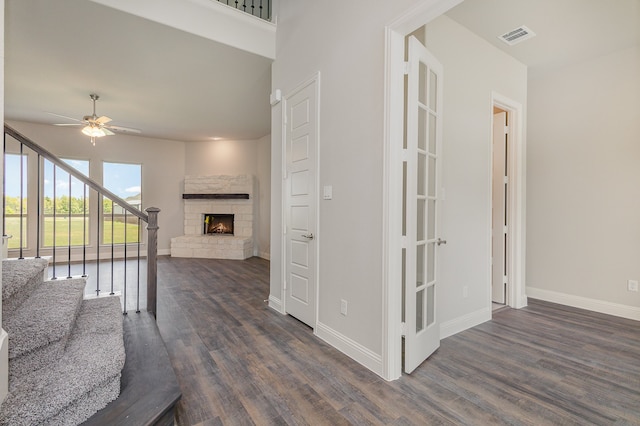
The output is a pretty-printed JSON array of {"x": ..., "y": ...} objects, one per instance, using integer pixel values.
[
  {"x": 308, "y": 236},
  {"x": 440, "y": 241}
]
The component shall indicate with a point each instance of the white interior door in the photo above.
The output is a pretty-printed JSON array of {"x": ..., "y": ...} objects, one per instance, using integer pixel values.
[
  {"x": 499, "y": 210},
  {"x": 423, "y": 158},
  {"x": 300, "y": 203}
]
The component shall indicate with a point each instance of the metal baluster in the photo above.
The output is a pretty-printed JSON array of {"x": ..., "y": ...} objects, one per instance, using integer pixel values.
[
  {"x": 138, "y": 289},
  {"x": 38, "y": 201},
  {"x": 244, "y": 5},
  {"x": 100, "y": 207},
  {"x": 125, "y": 264},
  {"x": 54, "y": 223},
  {"x": 236, "y": 4},
  {"x": 253, "y": 8},
  {"x": 21, "y": 200},
  {"x": 84, "y": 230},
  {"x": 4, "y": 185},
  {"x": 69, "y": 232},
  {"x": 112, "y": 246},
  {"x": 260, "y": 8}
]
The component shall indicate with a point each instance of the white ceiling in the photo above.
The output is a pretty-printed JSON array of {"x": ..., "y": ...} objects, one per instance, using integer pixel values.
[
  {"x": 175, "y": 85},
  {"x": 567, "y": 31},
  {"x": 166, "y": 82}
]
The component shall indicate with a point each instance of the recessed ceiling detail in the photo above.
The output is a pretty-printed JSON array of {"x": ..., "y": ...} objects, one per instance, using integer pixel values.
[{"x": 517, "y": 35}]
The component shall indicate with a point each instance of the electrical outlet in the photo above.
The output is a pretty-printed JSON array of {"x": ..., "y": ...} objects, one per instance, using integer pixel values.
[
  {"x": 465, "y": 291},
  {"x": 343, "y": 307},
  {"x": 632, "y": 285}
]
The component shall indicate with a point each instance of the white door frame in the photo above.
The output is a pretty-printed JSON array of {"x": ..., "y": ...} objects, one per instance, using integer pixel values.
[
  {"x": 395, "y": 34},
  {"x": 313, "y": 80},
  {"x": 516, "y": 214}
]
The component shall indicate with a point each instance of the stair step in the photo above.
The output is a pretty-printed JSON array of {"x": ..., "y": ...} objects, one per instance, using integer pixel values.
[
  {"x": 84, "y": 380},
  {"x": 38, "y": 333},
  {"x": 19, "y": 278}
]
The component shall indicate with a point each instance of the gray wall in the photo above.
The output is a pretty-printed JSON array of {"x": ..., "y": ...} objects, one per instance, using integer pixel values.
[{"x": 583, "y": 176}]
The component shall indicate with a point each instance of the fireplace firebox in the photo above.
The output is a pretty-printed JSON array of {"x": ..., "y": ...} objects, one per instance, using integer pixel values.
[{"x": 218, "y": 224}]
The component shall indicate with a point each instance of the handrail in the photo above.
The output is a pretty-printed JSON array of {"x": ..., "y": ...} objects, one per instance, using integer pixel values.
[
  {"x": 73, "y": 172},
  {"x": 151, "y": 218}
]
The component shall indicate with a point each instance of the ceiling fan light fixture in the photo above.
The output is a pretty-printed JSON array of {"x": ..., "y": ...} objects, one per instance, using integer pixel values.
[{"x": 93, "y": 131}]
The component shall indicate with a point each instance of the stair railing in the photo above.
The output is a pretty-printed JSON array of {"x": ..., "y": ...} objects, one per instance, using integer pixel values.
[
  {"x": 150, "y": 218},
  {"x": 258, "y": 8}
]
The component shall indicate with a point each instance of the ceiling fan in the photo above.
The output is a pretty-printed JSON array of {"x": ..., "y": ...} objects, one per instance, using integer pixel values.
[{"x": 94, "y": 126}]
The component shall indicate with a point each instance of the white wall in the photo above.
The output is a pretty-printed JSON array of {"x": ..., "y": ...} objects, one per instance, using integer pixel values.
[
  {"x": 344, "y": 41},
  {"x": 472, "y": 70},
  {"x": 263, "y": 174},
  {"x": 162, "y": 167},
  {"x": 237, "y": 157},
  {"x": 224, "y": 157},
  {"x": 583, "y": 176}
]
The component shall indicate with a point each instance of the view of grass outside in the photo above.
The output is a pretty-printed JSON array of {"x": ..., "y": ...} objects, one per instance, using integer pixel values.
[
  {"x": 69, "y": 198},
  {"x": 12, "y": 227},
  {"x": 119, "y": 230},
  {"x": 14, "y": 198},
  {"x": 125, "y": 180}
]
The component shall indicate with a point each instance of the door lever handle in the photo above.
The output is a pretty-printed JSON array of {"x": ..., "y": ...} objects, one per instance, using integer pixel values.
[
  {"x": 440, "y": 241},
  {"x": 308, "y": 236}
]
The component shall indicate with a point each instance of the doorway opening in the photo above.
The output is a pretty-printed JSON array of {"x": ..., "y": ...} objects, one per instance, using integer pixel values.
[
  {"x": 507, "y": 204},
  {"x": 499, "y": 207}
]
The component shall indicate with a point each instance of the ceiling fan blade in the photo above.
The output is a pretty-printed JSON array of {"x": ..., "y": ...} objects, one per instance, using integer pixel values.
[
  {"x": 64, "y": 116},
  {"x": 122, "y": 129},
  {"x": 103, "y": 120},
  {"x": 107, "y": 131},
  {"x": 67, "y": 124}
]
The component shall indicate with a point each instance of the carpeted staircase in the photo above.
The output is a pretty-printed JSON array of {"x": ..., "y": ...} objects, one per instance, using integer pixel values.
[{"x": 66, "y": 354}]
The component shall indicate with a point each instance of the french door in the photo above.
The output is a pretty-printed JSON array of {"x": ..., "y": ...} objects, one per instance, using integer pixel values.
[{"x": 422, "y": 242}]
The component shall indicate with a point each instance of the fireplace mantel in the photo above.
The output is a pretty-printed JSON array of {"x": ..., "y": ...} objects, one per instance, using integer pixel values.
[{"x": 215, "y": 196}]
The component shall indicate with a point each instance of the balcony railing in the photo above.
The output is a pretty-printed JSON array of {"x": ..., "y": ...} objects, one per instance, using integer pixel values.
[{"x": 259, "y": 8}]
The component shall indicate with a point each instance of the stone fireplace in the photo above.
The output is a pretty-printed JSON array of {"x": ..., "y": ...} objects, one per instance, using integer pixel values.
[{"x": 218, "y": 218}]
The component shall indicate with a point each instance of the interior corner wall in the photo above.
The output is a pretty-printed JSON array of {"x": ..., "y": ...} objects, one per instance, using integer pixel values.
[
  {"x": 162, "y": 167},
  {"x": 472, "y": 70},
  {"x": 344, "y": 42},
  {"x": 583, "y": 232},
  {"x": 263, "y": 174},
  {"x": 238, "y": 157}
]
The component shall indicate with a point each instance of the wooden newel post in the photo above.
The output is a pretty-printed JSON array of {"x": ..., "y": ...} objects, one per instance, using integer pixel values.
[{"x": 152, "y": 259}]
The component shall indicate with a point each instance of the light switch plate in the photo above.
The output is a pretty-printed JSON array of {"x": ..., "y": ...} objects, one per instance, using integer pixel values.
[{"x": 327, "y": 192}]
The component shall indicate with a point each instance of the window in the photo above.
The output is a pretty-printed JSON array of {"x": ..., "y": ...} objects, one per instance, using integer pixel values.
[
  {"x": 13, "y": 199},
  {"x": 69, "y": 198},
  {"x": 124, "y": 180}
]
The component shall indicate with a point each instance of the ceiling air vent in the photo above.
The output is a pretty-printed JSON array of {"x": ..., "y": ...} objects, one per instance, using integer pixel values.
[{"x": 516, "y": 36}]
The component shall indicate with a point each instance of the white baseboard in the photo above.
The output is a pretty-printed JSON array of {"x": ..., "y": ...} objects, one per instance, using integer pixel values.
[
  {"x": 464, "y": 322},
  {"x": 350, "y": 348},
  {"x": 275, "y": 304},
  {"x": 265, "y": 255},
  {"x": 164, "y": 252},
  {"x": 601, "y": 306}
]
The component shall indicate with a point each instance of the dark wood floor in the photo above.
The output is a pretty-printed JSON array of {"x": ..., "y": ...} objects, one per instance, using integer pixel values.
[{"x": 239, "y": 362}]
